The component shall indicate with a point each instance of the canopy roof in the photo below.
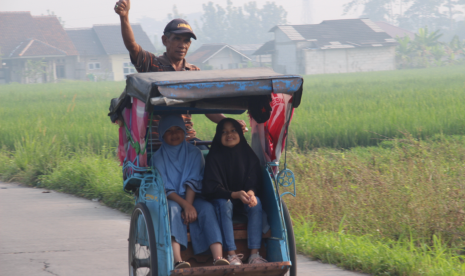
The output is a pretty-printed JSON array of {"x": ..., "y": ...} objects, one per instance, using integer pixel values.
[{"x": 216, "y": 89}]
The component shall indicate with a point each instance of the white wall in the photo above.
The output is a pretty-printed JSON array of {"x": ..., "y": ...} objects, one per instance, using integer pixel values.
[
  {"x": 285, "y": 55},
  {"x": 105, "y": 72},
  {"x": 117, "y": 62},
  {"x": 349, "y": 60},
  {"x": 372, "y": 59}
]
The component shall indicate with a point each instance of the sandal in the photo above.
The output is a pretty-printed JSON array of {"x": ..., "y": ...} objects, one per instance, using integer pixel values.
[
  {"x": 181, "y": 265},
  {"x": 220, "y": 261}
]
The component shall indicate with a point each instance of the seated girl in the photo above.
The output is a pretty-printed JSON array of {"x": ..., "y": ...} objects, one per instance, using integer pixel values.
[
  {"x": 232, "y": 182},
  {"x": 181, "y": 167}
]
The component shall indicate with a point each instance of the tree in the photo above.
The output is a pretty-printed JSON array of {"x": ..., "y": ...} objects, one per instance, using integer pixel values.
[
  {"x": 214, "y": 23},
  {"x": 34, "y": 70},
  {"x": 378, "y": 10},
  {"x": 411, "y": 14},
  {"x": 176, "y": 14},
  {"x": 427, "y": 50},
  {"x": 424, "y": 13},
  {"x": 49, "y": 12},
  {"x": 239, "y": 25},
  {"x": 404, "y": 52}
]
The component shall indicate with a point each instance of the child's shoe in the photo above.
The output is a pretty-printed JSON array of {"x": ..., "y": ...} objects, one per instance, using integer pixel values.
[
  {"x": 181, "y": 265},
  {"x": 220, "y": 261},
  {"x": 256, "y": 259},
  {"x": 235, "y": 259}
]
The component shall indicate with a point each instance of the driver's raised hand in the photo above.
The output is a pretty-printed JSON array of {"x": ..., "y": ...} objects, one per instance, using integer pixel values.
[
  {"x": 243, "y": 125},
  {"x": 122, "y": 7}
]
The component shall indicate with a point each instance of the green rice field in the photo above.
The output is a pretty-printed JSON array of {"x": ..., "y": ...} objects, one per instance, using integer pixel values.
[{"x": 338, "y": 111}]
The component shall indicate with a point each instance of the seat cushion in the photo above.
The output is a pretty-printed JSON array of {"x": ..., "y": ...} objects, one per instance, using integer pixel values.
[{"x": 240, "y": 222}]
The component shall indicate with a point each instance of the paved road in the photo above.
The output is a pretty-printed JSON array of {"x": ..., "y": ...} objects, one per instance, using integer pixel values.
[{"x": 44, "y": 233}]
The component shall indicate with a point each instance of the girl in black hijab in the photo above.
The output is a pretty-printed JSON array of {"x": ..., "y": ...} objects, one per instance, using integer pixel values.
[{"x": 232, "y": 182}]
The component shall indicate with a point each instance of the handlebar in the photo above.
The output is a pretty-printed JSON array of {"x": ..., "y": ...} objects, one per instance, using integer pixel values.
[{"x": 195, "y": 143}]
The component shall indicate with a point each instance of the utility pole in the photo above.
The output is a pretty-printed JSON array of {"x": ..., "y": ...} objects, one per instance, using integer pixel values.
[{"x": 307, "y": 12}]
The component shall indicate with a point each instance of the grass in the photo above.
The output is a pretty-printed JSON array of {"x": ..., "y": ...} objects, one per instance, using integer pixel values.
[
  {"x": 379, "y": 256},
  {"x": 401, "y": 200},
  {"x": 402, "y": 188},
  {"x": 73, "y": 113}
]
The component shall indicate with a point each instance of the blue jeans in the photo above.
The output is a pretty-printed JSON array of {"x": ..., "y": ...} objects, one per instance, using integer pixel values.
[
  {"x": 204, "y": 231},
  {"x": 224, "y": 212}
]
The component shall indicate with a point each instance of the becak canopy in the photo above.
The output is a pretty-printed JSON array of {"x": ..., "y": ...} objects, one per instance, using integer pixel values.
[{"x": 213, "y": 89}]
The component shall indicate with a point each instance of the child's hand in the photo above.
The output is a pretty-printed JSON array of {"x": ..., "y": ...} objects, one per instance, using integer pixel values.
[
  {"x": 189, "y": 214},
  {"x": 253, "y": 200},
  {"x": 243, "y": 196}
]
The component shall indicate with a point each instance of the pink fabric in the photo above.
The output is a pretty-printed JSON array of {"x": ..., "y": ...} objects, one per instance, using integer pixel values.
[
  {"x": 269, "y": 138},
  {"x": 276, "y": 125},
  {"x": 136, "y": 120}
]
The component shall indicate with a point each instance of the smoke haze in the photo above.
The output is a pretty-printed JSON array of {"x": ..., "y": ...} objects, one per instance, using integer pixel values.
[{"x": 85, "y": 13}]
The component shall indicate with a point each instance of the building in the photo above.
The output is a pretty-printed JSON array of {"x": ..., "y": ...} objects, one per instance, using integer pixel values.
[
  {"x": 217, "y": 57},
  {"x": 264, "y": 53},
  {"x": 102, "y": 54},
  {"x": 395, "y": 31},
  {"x": 333, "y": 46},
  {"x": 249, "y": 50},
  {"x": 34, "y": 49}
]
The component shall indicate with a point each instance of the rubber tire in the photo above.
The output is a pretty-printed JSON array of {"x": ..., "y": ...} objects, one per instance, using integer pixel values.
[
  {"x": 141, "y": 209},
  {"x": 290, "y": 241}
]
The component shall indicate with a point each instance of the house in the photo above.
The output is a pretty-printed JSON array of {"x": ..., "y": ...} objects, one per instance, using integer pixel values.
[
  {"x": 395, "y": 31},
  {"x": 34, "y": 49},
  {"x": 265, "y": 53},
  {"x": 333, "y": 46},
  {"x": 102, "y": 54},
  {"x": 217, "y": 56},
  {"x": 249, "y": 50}
]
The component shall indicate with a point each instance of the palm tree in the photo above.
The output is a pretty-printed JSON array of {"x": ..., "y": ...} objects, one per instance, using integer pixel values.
[
  {"x": 426, "y": 39},
  {"x": 404, "y": 52},
  {"x": 425, "y": 44}
]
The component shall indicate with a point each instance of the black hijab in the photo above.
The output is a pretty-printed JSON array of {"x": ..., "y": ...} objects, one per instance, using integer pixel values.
[{"x": 231, "y": 169}]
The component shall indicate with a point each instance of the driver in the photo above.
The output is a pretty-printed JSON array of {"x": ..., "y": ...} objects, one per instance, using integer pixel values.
[{"x": 177, "y": 40}]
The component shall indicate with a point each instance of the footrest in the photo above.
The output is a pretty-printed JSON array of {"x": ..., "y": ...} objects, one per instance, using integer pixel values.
[{"x": 269, "y": 269}]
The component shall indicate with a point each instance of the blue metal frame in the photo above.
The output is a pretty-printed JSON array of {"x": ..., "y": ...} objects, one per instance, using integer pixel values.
[
  {"x": 152, "y": 193},
  {"x": 277, "y": 244}
]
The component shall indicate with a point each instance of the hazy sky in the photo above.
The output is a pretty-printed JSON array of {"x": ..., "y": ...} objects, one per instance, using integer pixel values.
[{"x": 84, "y": 13}]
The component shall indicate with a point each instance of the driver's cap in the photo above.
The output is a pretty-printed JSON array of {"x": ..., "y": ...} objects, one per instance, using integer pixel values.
[{"x": 179, "y": 26}]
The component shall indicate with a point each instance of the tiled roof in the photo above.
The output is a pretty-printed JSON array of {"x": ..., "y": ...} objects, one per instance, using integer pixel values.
[
  {"x": 266, "y": 49},
  {"x": 247, "y": 49},
  {"x": 395, "y": 31},
  {"x": 86, "y": 42},
  {"x": 207, "y": 51},
  {"x": 18, "y": 29},
  {"x": 112, "y": 41},
  {"x": 35, "y": 48},
  {"x": 54, "y": 34},
  {"x": 346, "y": 33}
]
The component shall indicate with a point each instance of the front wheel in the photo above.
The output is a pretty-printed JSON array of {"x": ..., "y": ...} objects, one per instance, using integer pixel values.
[
  {"x": 142, "y": 243},
  {"x": 290, "y": 241}
]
